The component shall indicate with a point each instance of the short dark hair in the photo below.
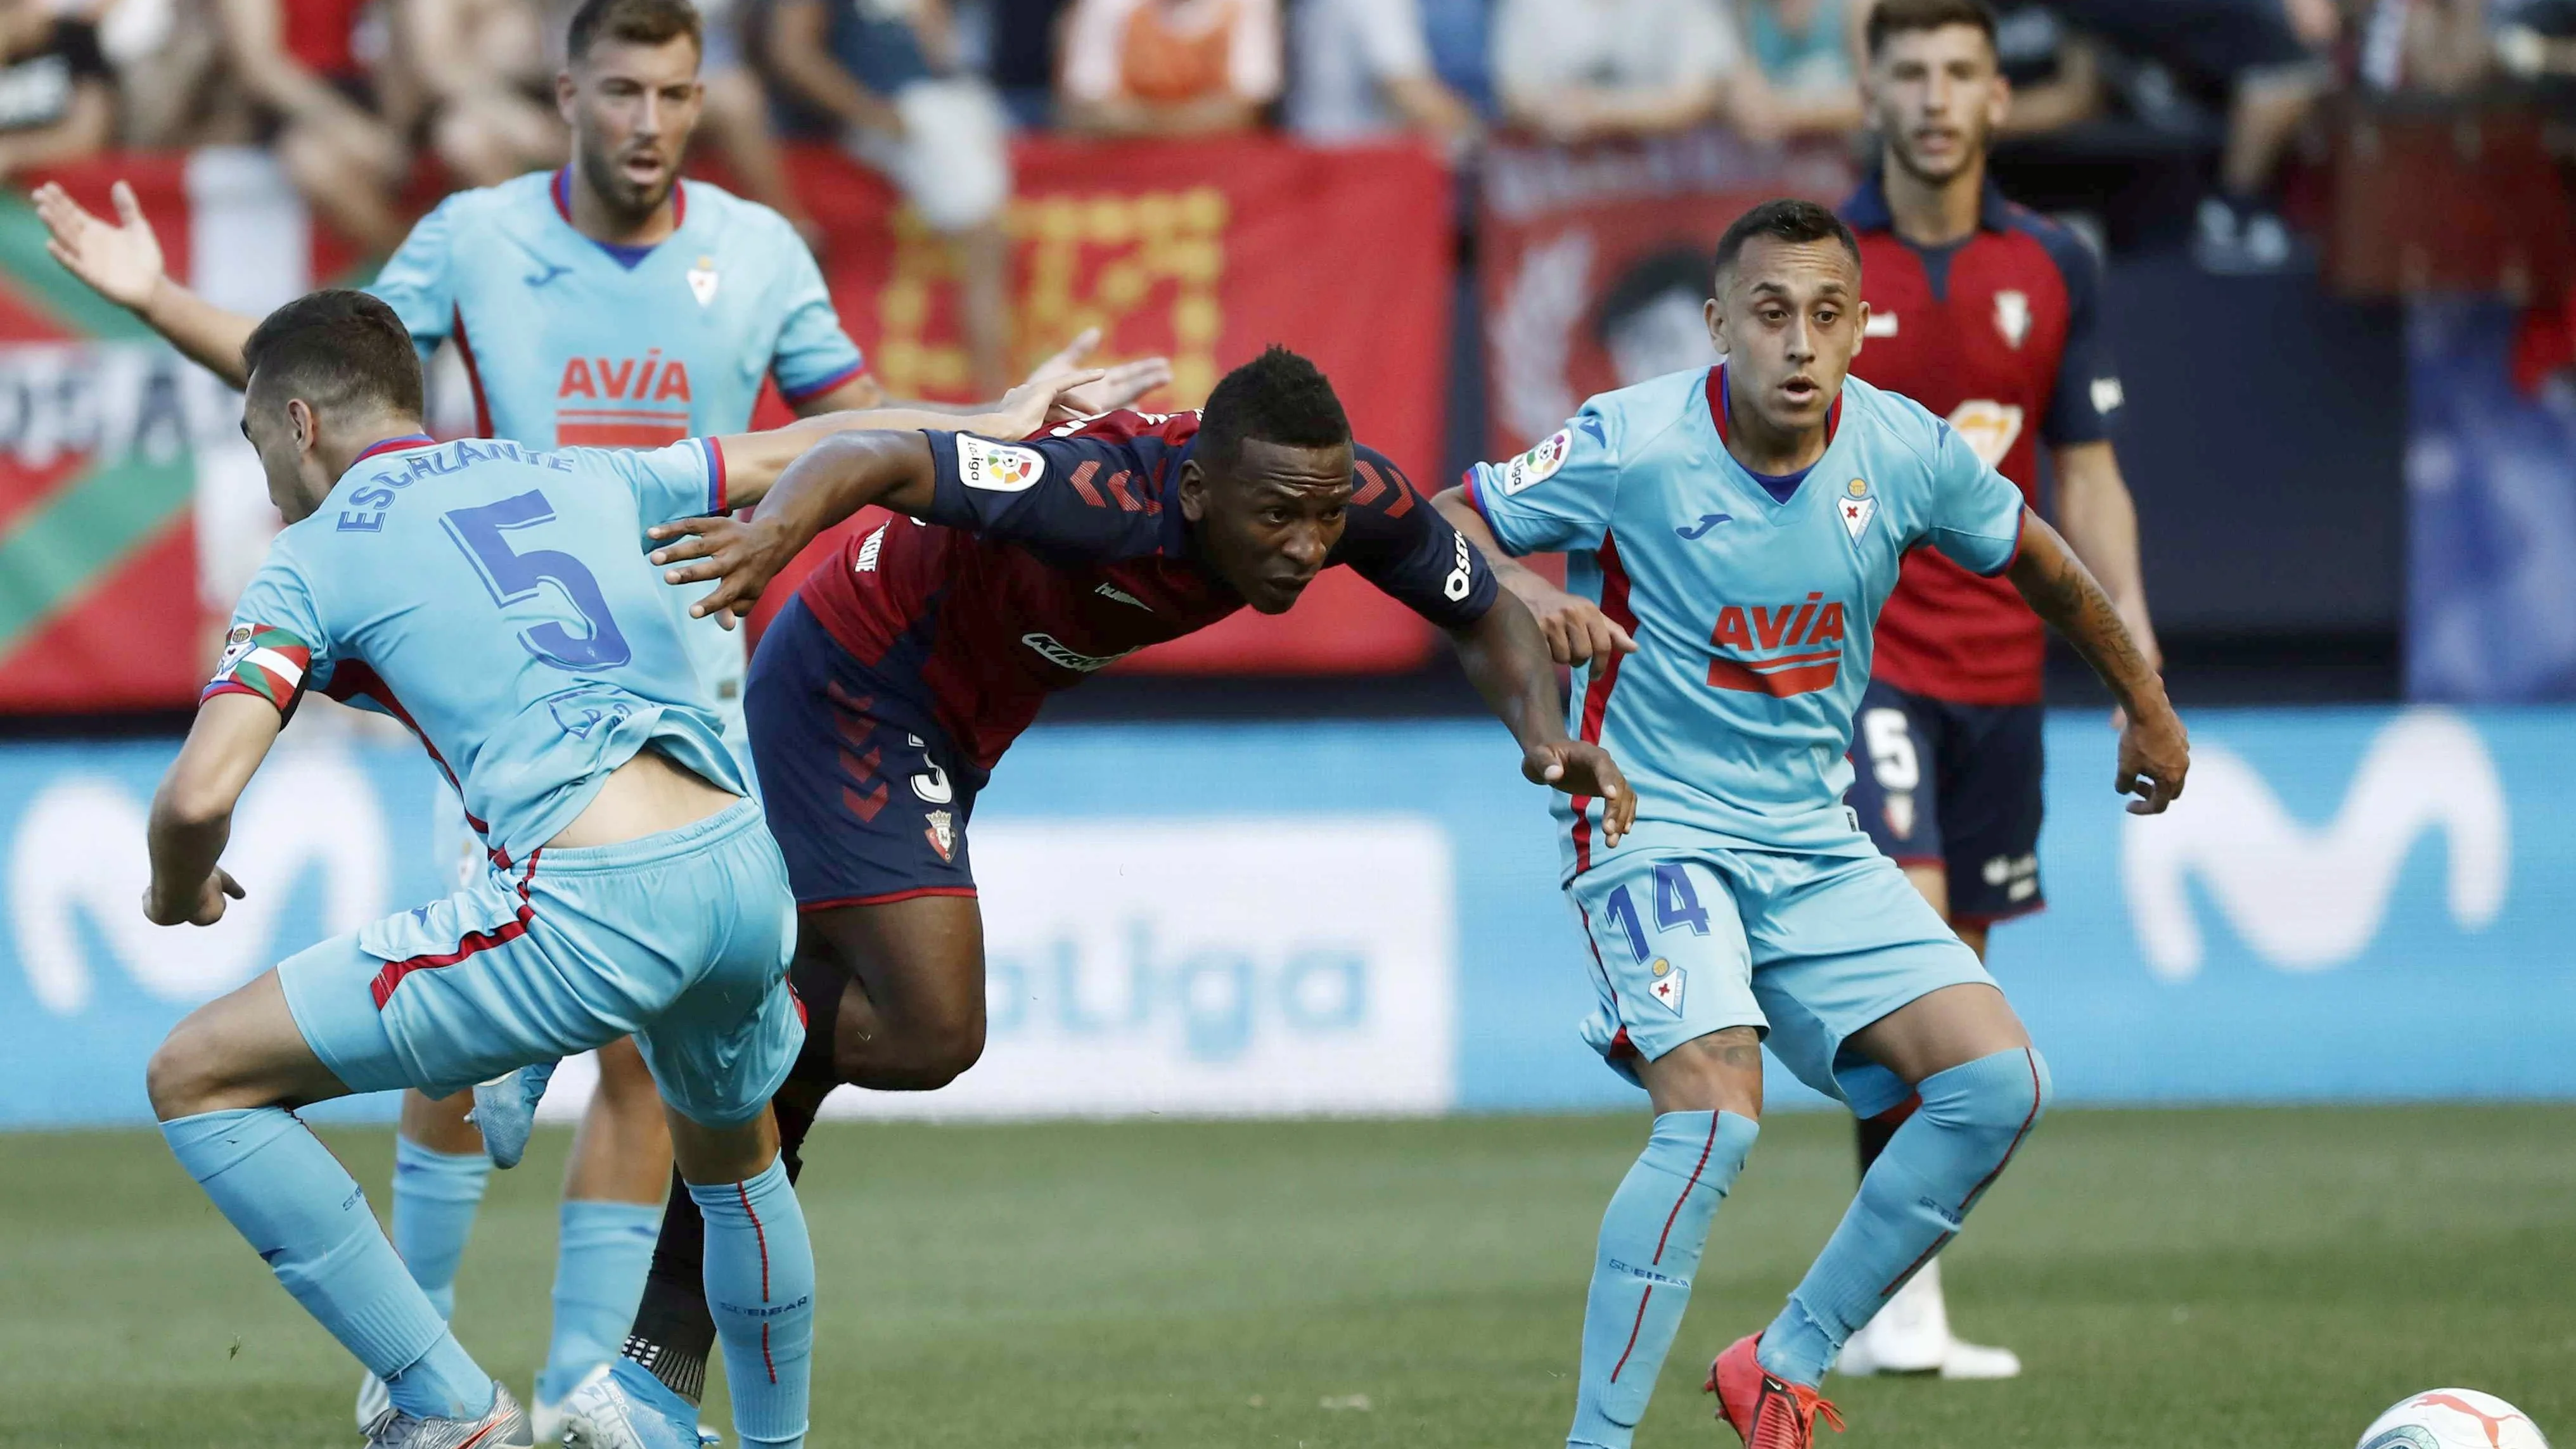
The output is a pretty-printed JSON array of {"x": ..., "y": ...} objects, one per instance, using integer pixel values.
[
  {"x": 1895, "y": 17},
  {"x": 641, "y": 22},
  {"x": 1278, "y": 397},
  {"x": 1785, "y": 220},
  {"x": 338, "y": 350}
]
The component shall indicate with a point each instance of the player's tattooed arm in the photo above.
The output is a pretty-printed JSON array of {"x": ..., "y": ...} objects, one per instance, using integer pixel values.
[
  {"x": 192, "y": 813},
  {"x": 2155, "y": 750},
  {"x": 1507, "y": 660},
  {"x": 1576, "y": 630}
]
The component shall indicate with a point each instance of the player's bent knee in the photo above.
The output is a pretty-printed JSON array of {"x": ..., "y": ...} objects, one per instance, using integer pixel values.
[
  {"x": 922, "y": 1059},
  {"x": 2002, "y": 1096},
  {"x": 188, "y": 1073}
]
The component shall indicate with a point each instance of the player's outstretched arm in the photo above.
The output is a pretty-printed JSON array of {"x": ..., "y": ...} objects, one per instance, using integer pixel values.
[
  {"x": 1507, "y": 659},
  {"x": 123, "y": 264},
  {"x": 2155, "y": 750},
  {"x": 825, "y": 483},
  {"x": 192, "y": 813},
  {"x": 1576, "y": 630}
]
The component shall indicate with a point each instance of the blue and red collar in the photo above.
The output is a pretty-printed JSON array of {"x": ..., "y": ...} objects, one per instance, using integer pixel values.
[
  {"x": 1867, "y": 210},
  {"x": 395, "y": 445},
  {"x": 560, "y": 188},
  {"x": 1717, "y": 398}
]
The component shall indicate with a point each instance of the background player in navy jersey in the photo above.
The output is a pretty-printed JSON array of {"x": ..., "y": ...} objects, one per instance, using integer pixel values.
[
  {"x": 887, "y": 689},
  {"x": 1989, "y": 315}
]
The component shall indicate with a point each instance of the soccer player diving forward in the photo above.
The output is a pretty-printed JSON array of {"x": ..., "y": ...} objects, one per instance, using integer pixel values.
[
  {"x": 1743, "y": 524},
  {"x": 887, "y": 689},
  {"x": 496, "y": 600}
]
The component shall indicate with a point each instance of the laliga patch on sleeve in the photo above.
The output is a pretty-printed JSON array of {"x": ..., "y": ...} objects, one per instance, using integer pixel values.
[
  {"x": 2107, "y": 395},
  {"x": 1540, "y": 463},
  {"x": 999, "y": 467}
]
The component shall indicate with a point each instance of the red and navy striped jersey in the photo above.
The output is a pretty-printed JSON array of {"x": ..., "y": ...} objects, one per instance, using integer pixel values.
[
  {"x": 1044, "y": 562},
  {"x": 2001, "y": 334}
]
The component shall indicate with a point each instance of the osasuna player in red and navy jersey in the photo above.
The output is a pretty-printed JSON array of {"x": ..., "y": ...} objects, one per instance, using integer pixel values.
[
  {"x": 1988, "y": 315},
  {"x": 886, "y": 690}
]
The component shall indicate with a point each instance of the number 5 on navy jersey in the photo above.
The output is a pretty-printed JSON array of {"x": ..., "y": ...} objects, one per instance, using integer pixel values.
[
  {"x": 1676, "y": 904},
  {"x": 515, "y": 577}
]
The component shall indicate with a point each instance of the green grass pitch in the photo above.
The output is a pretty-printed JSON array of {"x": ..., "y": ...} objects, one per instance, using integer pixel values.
[{"x": 2217, "y": 1278}]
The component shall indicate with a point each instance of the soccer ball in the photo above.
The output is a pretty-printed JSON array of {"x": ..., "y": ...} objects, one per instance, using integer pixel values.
[{"x": 2453, "y": 1419}]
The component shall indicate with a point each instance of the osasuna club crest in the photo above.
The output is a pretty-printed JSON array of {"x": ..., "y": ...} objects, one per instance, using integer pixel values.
[
  {"x": 1856, "y": 507},
  {"x": 2012, "y": 316},
  {"x": 942, "y": 832}
]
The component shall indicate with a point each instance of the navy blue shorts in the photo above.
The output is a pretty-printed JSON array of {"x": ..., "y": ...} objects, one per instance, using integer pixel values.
[
  {"x": 1957, "y": 786},
  {"x": 867, "y": 795}
]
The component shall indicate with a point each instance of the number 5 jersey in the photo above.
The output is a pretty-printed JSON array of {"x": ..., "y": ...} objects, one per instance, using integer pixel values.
[{"x": 495, "y": 600}]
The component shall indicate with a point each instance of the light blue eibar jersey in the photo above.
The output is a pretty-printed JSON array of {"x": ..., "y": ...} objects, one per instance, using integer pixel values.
[
  {"x": 1752, "y": 615},
  {"x": 571, "y": 343},
  {"x": 497, "y": 601}
]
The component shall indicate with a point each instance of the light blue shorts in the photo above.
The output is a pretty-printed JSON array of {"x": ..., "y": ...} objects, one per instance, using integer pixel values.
[
  {"x": 680, "y": 940},
  {"x": 1807, "y": 949}
]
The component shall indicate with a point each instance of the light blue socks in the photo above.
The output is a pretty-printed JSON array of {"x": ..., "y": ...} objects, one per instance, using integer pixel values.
[
  {"x": 285, "y": 1192},
  {"x": 760, "y": 1287},
  {"x": 1910, "y": 1205},
  {"x": 1641, "y": 1274},
  {"x": 602, "y": 1252},
  {"x": 435, "y": 1195}
]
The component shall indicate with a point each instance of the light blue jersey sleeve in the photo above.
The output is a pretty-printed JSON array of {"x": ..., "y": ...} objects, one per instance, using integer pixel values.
[
  {"x": 814, "y": 355},
  {"x": 683, "y": 480},
  {"x": 1557, "y": 496},
  {"x": 416, "y": 281},
  {"x": 1976, "y": 512},
  {"x": 277, "y": 647}
]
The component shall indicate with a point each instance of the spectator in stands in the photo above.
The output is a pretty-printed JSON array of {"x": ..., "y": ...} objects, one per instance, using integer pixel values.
[
  {"x": 736, "y": 117},
  {"x": 487, "y": 79},
  {"x": 56, "y": 104},
  {"x": 1583, "y": 70},
  {"x": 2267, "y": 60},
  {"x": 1361, "y": 71},
  {"x": 882, "y": 73},
  {"x": 298, "y": 61},
  {"x": 1801, "y": 82},
  {"x": 2055, "y": 70},
  {"x": 1460, "y": 33},
  {"x": 1169, "y": 67},
  {"x": 1019, "y": 56}
]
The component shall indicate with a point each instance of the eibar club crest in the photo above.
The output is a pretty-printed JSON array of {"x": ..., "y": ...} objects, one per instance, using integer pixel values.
[
  {"x": 2012, "y": 316},
  {"x": 1857, "y": 507},
  {"x": 942, "y": 832},
  {"x": 1667, "y": 985},
  {"x": 702, "y": 281}
]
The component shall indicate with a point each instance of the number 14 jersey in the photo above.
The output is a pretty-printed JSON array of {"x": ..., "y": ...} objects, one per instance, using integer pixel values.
[
  {"x": 495, "y": 600},
  {"x": 1752, "y": 611}
]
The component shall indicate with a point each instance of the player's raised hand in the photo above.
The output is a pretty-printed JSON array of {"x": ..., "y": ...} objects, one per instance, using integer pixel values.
[
  {"x": 2155, "y": 754},
  {"x": 1578, "y": 633},
  {"x": 1580, "y": 768},
  {"x": 1113, "y": 387},
  {"x": 1028, "y": 408},
  {"x": 122, "y": 262},
  {"x": 204, "y": 909},
  {"x": 740, "y": 557}
]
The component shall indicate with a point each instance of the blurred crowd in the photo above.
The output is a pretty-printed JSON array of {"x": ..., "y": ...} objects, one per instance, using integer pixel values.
[{"x": 354, "y": 96}]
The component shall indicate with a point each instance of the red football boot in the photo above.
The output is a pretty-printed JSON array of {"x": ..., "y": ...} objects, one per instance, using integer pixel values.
[{"x": 1769, "y": 1411}]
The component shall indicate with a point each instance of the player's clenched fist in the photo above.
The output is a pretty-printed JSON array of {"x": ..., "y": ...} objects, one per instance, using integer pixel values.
[
  {"x": 1580, "y": 768},
  {"x": 2155, "y": 754},
  {"x": 1576, "y": 629},
  {"x": 741, "y": 557},
  {"x": 203, "y": 908}
]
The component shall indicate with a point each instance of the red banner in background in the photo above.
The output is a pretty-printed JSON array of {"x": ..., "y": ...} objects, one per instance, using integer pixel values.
[
  {"x": 1206, "y": 252},
  {"x": 1593, "y": 263}
]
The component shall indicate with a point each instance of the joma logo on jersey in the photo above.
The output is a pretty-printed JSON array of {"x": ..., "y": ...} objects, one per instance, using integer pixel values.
[
  {"x": 1809, "y": 631},
  {"x": 625, "y": 379}
]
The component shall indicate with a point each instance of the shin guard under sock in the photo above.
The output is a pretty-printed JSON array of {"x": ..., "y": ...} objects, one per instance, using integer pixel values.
[
  {"x": 760, "y": 1289},
  {"x": 435, "y": 1198}
]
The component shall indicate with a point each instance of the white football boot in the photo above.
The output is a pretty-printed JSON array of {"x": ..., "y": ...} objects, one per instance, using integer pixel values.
[{"x": 1911, "y": 1335}]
